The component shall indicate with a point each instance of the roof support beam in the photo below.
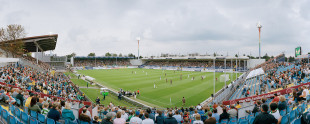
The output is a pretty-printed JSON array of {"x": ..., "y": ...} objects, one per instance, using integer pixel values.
[{"x": 35, "y": 42}]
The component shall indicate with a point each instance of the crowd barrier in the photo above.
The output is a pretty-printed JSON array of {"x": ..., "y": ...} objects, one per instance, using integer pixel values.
[{"x": 267, "y": 95}]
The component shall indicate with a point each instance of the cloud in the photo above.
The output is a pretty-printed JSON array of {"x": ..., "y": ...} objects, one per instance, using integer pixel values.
[{"x": 174, "y": 26}]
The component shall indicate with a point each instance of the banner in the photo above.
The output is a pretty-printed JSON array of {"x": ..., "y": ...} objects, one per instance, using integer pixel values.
[
  {"x": 267, "y": 95},
  {"x": 297, "y": 51}
]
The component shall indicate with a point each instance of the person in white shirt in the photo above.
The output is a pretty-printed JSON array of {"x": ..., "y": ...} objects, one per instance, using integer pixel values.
[
  {"x": 198, "y": 106},
  {"x": 118, "y": 119},
  {"x": 177, "y": 116},
  {"x": 198, "y": 121},
  {"x": 275, "y": 112},
  {"x": 124, "y": 115},
  {"x": 147, "y": 120},
  {"x": 136, "y": 119}
]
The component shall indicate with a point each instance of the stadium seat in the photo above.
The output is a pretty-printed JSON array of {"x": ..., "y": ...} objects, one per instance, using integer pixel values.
[
  {"x": 50, "y": 121},
  {"x": 296, "y": 121},
  {"x": 34, "y": 114},
  {"x": 26, "y": 109},
  {"x": 12, "y": 119},
  {"x": 25, "y": 117},
  {"x": 233, "y": 122},
  {"x": 33, "y": 121},
  {"x": 243, "y": 122},
  {"x": 283, "y": 112},
  {"x": 17, "y": 112},
  {"x": 4, "y": 115},
  {"x": 292, "y": 115},
  {"x": 251, "y": 120},
  {"x": 41, "y": 118},
  {"x": 285, "y": 119},
  {"x": 83, "y": 122},
  {"x": 18, "y": 122}
]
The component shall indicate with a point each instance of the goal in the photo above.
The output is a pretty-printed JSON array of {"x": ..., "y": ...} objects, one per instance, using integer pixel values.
[{"x": 224, "y": 77}]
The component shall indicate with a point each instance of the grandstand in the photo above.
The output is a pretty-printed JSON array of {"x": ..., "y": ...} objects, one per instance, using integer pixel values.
[{"x": 29, "y": 86}]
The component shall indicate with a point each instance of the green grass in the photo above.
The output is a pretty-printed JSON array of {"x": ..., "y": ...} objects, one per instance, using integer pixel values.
[
  {"x": 195, "y": 91},
  {"x": 93, "y": 93}
]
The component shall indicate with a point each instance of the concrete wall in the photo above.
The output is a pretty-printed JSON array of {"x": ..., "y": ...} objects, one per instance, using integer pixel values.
[{"x": 251, "y": 63}]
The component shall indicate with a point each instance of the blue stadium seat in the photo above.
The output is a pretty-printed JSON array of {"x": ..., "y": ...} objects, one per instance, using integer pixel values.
[
  {"x": 283, "y": 112},
  {"x": 83, "y": 122},
  {"x": 25, "y": 117},
  {"x": 26, "y": 109},
  {"x": 233, "y": 122},
  {"x": 296, "y": 121},
  {"x": 12, "y": 119},
  {"x": 243, "y": 122},
  {"x": 50, "y": 121},
  {"x": 4, "y": 115},
  {"x": 292, "y": 115},
  {"x": 41, "y": 118},
  {"x": 251, "y": 120},
  {"x": 285, "y": 119},
  {"x": 33, "y": 121},
  {"x": 18, "y": 122},
  {"x": 17, "y": 113},
  {"x": 34, "y": 114}
]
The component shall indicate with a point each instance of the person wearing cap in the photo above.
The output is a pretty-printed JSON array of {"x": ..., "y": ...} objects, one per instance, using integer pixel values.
[{"x": 136, "y": 119}]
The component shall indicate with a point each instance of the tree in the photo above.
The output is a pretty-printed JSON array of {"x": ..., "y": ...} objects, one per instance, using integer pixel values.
[
  {"x": 236, "y": 55},
  {"x": 11, "y": 39},
  {"x": 120, "y": 55},
  {"x": 214, "y": 54},
  {"x": 91, "y": 54},
  {"x": 114, "y": 55},
  {"x": 107, "y": 54},
  {"x": 70, "y": 55},
  {"x": 266, "y": 57},
  {"x": 131, "y": 55}
]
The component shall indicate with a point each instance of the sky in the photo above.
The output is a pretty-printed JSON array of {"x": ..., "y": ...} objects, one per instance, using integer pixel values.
[{"x": 165, "y": 26}]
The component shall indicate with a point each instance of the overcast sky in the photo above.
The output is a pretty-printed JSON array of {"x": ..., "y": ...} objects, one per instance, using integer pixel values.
[{"x": 165, "y": 26}]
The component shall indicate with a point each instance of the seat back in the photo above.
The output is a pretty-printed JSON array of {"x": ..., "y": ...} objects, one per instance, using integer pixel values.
[
  {"x": 284, "y": 119},
  {"x": 5, "y": 115},
  {"x": 292, "y": 115},
  {"x": 33, "y": 114},
  {"x": 32, "y": 120},
  {"x": 25, "y": 117},
  {"x": 41, "y": 118},
  {"x": 83, "y": 122},
  {"x": 283, "y": 112},
  {"x": 50, "y": 121},
  {"x": 12, "y": 119},
  {"x": 17, "y": 113}
]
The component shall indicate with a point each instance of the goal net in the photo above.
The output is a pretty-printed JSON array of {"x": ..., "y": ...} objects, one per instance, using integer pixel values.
[{"x": 224, "y": 77}]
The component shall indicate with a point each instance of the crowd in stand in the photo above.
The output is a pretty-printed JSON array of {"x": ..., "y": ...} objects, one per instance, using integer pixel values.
[
  {"x": 203, "y": 64},
  {"x": 102, "y": 63}
]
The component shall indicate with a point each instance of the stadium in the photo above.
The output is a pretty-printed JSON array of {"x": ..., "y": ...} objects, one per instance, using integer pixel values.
[{"x": 41, "y": 85}]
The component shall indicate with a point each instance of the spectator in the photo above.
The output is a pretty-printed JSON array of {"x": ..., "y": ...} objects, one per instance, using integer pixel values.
[
  {"x": 224, "y": 115},
  {"x": 238, "y": 105},
  {"x": 198, "y": 120},
  {"x": 275, "y": 112},
  {"x": 45, "y": 110},
  {"x": 232, "y": 112},
  {"x": 264, "y": 117},
  {"x": 147, "y": 120},
  {"x": 20, "y": 97},
  {"x": 170, "y": 119},
  {"x": 118, "y": 119},
  {"x": 95, "y": 121},
  {"x": 211, "y": 119},
  {"x": 136, "y": 119},
  {"x": 257, "y": 107},
  {"x": 216, "y": 115},
  {"x": 108, "y": 119},
  {"x": 98, "y": 100},
  {"x": 53, "y": 113},
  {"x": 33, "y": 106},
  {"x": 67, "y": 113},
  {"x": 159, "y": 118},
  {"x": 177, "y": 116},
  {"x": 282, "y": 105},
  {"x": 276, "y": 98},
  {"x": 84, "y": 117}
]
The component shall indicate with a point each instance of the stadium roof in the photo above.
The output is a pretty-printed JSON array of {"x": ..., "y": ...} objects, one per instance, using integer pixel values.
[
  {"x": 101, "y": 57},
  {"x": 44, "y": 43}
]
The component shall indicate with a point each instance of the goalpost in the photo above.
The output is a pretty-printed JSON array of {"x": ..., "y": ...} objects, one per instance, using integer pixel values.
[{"x": 223, "y": 77}]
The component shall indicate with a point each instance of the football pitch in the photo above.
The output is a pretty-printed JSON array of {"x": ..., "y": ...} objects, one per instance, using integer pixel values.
[{"x": 164, "y": 94}]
